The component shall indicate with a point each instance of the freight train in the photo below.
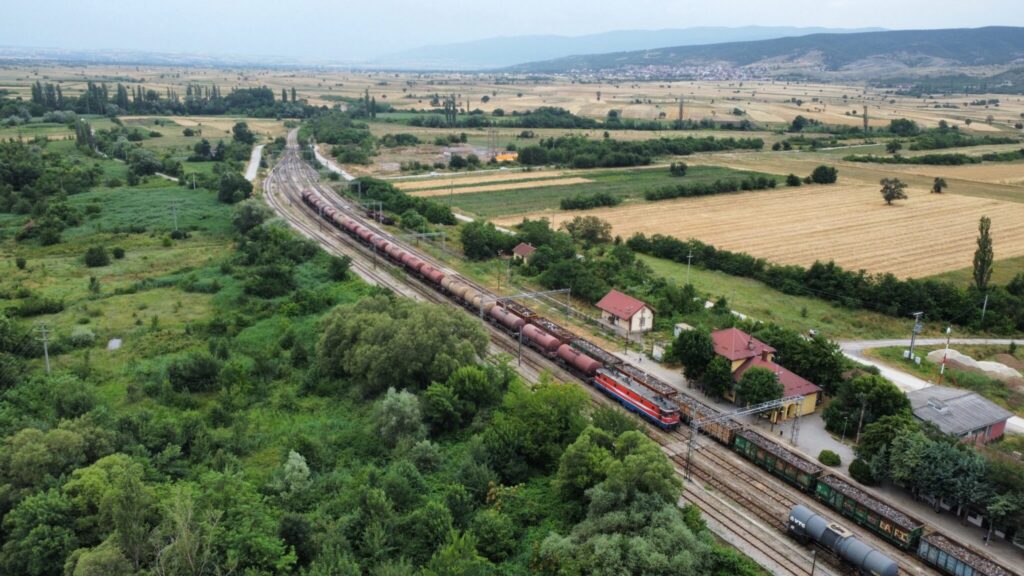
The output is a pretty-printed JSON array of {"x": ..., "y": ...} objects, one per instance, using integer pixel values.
[{"x": 663, "y": 406}]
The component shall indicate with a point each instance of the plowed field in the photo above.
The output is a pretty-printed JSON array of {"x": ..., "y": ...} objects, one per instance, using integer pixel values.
[{"x": 925, "y": 235}]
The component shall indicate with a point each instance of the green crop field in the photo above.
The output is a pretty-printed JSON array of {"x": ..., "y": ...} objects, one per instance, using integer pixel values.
[
  {"x": 626, "y": 184},
  {"x": 1003, "y": 272},
  {"x": 759, "y": 302}
]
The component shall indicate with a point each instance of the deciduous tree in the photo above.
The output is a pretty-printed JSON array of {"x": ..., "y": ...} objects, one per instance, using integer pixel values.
[
  {"x": 893, "y": 189},
  {"x": 983, "y": 255},
  {"x": 758, "y": 385}
]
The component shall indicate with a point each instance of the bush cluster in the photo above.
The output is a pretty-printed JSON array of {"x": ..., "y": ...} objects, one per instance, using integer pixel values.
[{"x": 708, "y": 189}]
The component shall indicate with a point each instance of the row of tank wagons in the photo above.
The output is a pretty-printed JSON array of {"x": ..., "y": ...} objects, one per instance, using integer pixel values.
[{"x": 661, "y": 404}]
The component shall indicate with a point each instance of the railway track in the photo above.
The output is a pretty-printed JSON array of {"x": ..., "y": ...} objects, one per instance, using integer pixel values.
[{"x": 734, "y": 492}]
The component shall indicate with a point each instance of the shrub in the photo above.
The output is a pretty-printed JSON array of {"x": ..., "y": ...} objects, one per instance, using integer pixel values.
[
  {"x": 829, "y": 458},
  {"x": 20, "y": 262},
  {"x": 195, "y": 372},
  {"x": 82, "y": 337},
  {"x": 37, "y": 305},
  {"x": 824, "y": 175},
  {"x": 861, "y": 472},
  {"x": 96, "y": 256},
  {"x": 118, "y": 253},
  {"x": 793, "y": 180}
]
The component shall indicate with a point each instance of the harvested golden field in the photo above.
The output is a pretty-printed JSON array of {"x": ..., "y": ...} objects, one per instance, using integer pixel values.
[
  {"x": 459, "y": 179},
  {"x": 505, "y": 186},
  {"x": 925, "y": 235}
]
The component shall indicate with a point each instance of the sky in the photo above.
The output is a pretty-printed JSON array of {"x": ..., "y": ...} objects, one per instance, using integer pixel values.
[{"x": 346, "y": 30}]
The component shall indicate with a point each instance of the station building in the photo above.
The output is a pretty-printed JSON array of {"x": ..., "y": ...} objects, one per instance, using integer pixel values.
[{"x": 744, "y": 352}]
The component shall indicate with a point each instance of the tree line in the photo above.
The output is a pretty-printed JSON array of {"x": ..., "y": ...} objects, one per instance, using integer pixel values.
[
  {"x": 581, "y": 152},
  {"x": 99, "y": 98},
  {"x": 957, "y": 159},
  {"x": 882, "y": 293}
]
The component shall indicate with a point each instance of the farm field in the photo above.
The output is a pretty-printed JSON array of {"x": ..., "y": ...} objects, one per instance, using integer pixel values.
[
  {"x": 769, "y": 102},
  {"x": 505, "y": 186},
  {"x": 1003, "y": 271},
  {"x": 470, "y": 178},
  {"x": 759, "y": 302},
  {"x": 928, "y": 234},
  {"x": 503, "y": 200}
]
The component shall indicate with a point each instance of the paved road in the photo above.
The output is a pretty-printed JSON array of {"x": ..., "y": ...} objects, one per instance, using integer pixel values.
[
  {"x": 254, "y": 163},
  {"x": 854, "y": 350}
]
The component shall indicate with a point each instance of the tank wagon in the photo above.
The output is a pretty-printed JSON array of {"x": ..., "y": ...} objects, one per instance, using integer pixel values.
[
  {"x": 662, "y": 405},
  {"x": 806, "y": 526}
]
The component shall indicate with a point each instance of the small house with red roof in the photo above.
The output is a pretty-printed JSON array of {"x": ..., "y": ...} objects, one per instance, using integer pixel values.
[
  {"x": 523, "y": 251},
  {"x": 744, "y": 352},
  {"x": 625, "y": 312}
]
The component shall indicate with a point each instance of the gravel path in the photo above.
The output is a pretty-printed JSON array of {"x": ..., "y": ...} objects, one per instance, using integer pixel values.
[{"x": 254, "y": 163}]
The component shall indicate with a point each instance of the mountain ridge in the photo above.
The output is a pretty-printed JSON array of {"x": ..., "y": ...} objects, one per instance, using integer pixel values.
[
  {"x": 502, "y": 51},
  {"x": 855, "y": 53}
]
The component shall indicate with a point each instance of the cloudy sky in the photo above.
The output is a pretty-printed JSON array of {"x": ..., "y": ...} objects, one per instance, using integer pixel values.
[{"x": 353, "y": 30}]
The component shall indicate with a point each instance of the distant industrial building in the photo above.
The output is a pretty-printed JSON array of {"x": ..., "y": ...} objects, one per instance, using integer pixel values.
[
  {"x": 506, "y": 156},
  {"x": 961, "y": 413},
  {"x": 625, "y": 312},
  {"x": 746, "y": 352}
]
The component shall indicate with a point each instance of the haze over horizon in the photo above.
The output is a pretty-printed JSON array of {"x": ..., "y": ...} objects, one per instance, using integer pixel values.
[{"x": 320, "y": 30}]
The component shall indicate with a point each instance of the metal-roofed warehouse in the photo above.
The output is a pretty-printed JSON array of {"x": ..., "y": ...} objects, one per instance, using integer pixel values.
[{"x": 962, "y": 413}]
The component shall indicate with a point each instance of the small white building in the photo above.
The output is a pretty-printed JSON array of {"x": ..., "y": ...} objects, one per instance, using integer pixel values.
[{"x": 625, "y": 312}]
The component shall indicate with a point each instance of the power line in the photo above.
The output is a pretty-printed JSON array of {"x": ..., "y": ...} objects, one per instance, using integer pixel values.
[{"x": 44, "y": 337}]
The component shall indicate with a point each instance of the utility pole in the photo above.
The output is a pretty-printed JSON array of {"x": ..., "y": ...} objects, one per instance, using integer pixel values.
[
  {"x": 913, "y": 334},
  {"x": 863, "y": 407},
  {"x": 942, "y": 367},
  {"x": 174, "y": 209},
  {"x": 44, "y": 337},
  {"x": 689, "y": 258},
  {"x": 814, "y": 561}
]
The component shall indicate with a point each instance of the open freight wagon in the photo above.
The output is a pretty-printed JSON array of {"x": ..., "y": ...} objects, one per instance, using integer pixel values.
[
  {"x": 892, "y": 525},
  {"x": 776, "y": 459}
]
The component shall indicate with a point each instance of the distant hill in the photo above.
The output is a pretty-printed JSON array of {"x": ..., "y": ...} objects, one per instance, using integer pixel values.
[
  {"x": 855, "y": 54},
  {"x": 508, "y": 51}
]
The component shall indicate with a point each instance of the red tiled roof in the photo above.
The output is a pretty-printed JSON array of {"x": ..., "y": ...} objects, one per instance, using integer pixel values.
[
  {"x": 523, "y": 249},
  {"x": 620, "y": 305},
  {"x": 736, "y": 344},
  {"x": 793, "y": 385}
]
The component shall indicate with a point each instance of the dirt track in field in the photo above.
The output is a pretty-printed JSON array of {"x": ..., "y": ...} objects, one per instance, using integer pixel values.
[
  {"x": 848, "y": 223},
  {"x": 500, "y": 187}
]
